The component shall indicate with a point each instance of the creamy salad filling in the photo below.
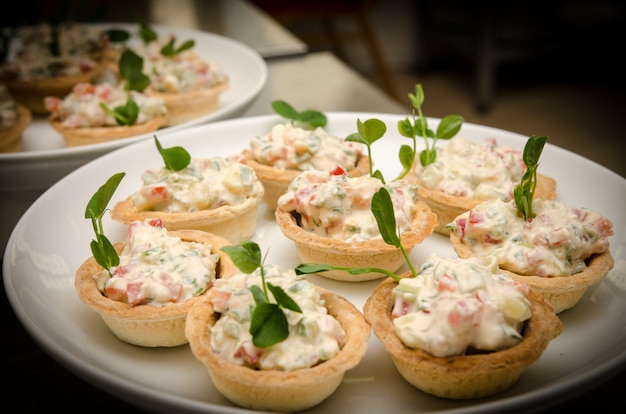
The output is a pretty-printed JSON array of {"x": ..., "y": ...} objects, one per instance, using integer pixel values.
[
  {"x": 314, "y": 335},
  {"x": 183, "y": 72},
  {"x": 336, "y": 205},
  {"x": 290, "y": 147},
  {"x": 456, "y": 305},
  {"x": 482, "y": 171},
  {"x": 8, "y": 109},
  {"x": 158, "y": 269},
  {"x": 205, "y": 184},
  {"x": 556, "y": 242},
  {"x": 82, "y": 108},
  {"x": 30, "y": 53}
]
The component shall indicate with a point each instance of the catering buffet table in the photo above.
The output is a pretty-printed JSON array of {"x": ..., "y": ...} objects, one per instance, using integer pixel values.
[{"x": 33, "y": 381}]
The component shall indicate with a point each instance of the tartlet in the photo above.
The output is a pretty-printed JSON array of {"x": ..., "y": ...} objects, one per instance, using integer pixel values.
[
  {"x": 79, "y": 118},
  {"x": 467, "y": 376},
  {"x": 276, "y": 389},
  {"x": 497, "y": 169},
  {"x": 234, "y": 220},
  {"x": 14, "y": 119},
  {"x": 32, "y": 71},
  {"x": 297, "y": 149},
  {"x": 146, "y": 325},
  {"x": 562, "y": 290},
  {"x": 189, "y": 85},
  {"x": 357, "y": 242}
]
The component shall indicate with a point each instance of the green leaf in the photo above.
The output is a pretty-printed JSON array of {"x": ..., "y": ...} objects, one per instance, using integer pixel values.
[
  {"x": 104, "y": 253},
  {"x": 246, "y": 256},
  {"x": 407, "y": 156},
  {"x": 382, "y": 208},
  {"x": 449, "y": 126},
  {"x": 269, "y": 325},
  {"x": 117, "y": 35},
  {"x": 175, "y": 158},
  {"x": 130, "y": 68},
  {"x": 98, "y": 203},
  {"x": 524, "y": 192},
  {"x": 170, "y": 50},
  {"x": 307, "y": 268},
  {"x": 146, "y": 33},
  {"x": 308, "y": 119},
  {"x": 258, "y": 294},
  {"x": 282, "y": 299}
]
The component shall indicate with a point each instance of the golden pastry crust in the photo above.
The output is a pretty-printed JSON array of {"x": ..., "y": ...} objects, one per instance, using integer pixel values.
[
  {"x": 11, "y": 138},
  {"x": 313, "y": 248},
  {"x": 31, "y": 93},
  {"x": 276, "y": 180},
  {"x": 563, "y": 292},
  {"x": 183, "y": 107},
  {"x": 448, "y": 207},
  {"x": 466, "y": 376},
  {"x": 147, "y": 325},
  {"x": 84, "y": 136},
  {"x": 234, "y": 223},
  {"x": 277, "y": 390}
]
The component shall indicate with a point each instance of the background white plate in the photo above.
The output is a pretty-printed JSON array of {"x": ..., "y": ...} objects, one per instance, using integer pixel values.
[
  {"x": 45, "y": 159},
  {"x": 52, "y": 239}
]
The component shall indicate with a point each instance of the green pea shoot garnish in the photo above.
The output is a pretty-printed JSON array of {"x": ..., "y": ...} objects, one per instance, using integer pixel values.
[
  {"x": 102, "y": 249},
  {"x": 269, "y": 324},
  {"x": 176, "y": 158},
  {"x": 524, "y": 192},
  {"x": 307, "y": 119}
]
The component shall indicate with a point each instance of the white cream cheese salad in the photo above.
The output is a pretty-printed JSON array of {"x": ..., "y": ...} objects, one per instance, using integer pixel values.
[
  {"x": 482, "y": 171},
  {"x": 82, "y": 107},
  {"x": 334, "y": 204},
  {"x": 454, "y": 305},
  {"x": 291, "y": 147},
  {"x": 314, "y": 335},
  {"x": 206, "y": 183},
  {"x": 158, "y": 269},
  {"x": 183, "y": 72},
  {"x": 556, "y": 242}
]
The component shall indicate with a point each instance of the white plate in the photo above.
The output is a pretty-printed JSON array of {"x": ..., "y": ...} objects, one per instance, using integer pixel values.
[
  {"x": 45, "y": 159},
  {"x": 52, "y": 239}
]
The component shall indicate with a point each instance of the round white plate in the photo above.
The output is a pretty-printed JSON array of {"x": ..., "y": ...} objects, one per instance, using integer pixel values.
[
  {"x": 52, "y": 239},
  {"x": 45, "y": 159}
]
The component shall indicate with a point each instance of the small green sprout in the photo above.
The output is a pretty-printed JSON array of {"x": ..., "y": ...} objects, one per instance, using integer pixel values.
[
  {"x": 124, "y": 115},
  {"x": 369, "y": 132},
  {"x": 448, "y": 127},
  {"x": 524, "y": 192},
  {"x": 175, "y": 158},
  {"x": 307, "y": 119},
  {"x": 102, "y": 249},
  {"x": 169, "y": 50},
  {"x": 269, "y": 324},
  {"x": 131, "y": 71}
]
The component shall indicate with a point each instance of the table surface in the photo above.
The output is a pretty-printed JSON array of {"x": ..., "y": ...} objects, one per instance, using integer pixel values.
[{"x": 36, "y": 382}]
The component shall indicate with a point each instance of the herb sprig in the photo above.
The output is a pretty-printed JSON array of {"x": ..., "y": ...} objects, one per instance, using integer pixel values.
[
  {"x": 448, "y": 127},
  {"x": 524, "y": 192},
  {"x": 372, "y": 130},
  {"x": 175, "y": 158},
  {"x": 382, "y": 209},
  {"x": 269, "y": 324},
  {"x": 102, "y": 249},
  {"x": 307, "y": 119}
]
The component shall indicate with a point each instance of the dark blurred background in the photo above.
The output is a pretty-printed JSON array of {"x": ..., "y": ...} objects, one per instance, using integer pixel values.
[{"x": 534, "y": 67}]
